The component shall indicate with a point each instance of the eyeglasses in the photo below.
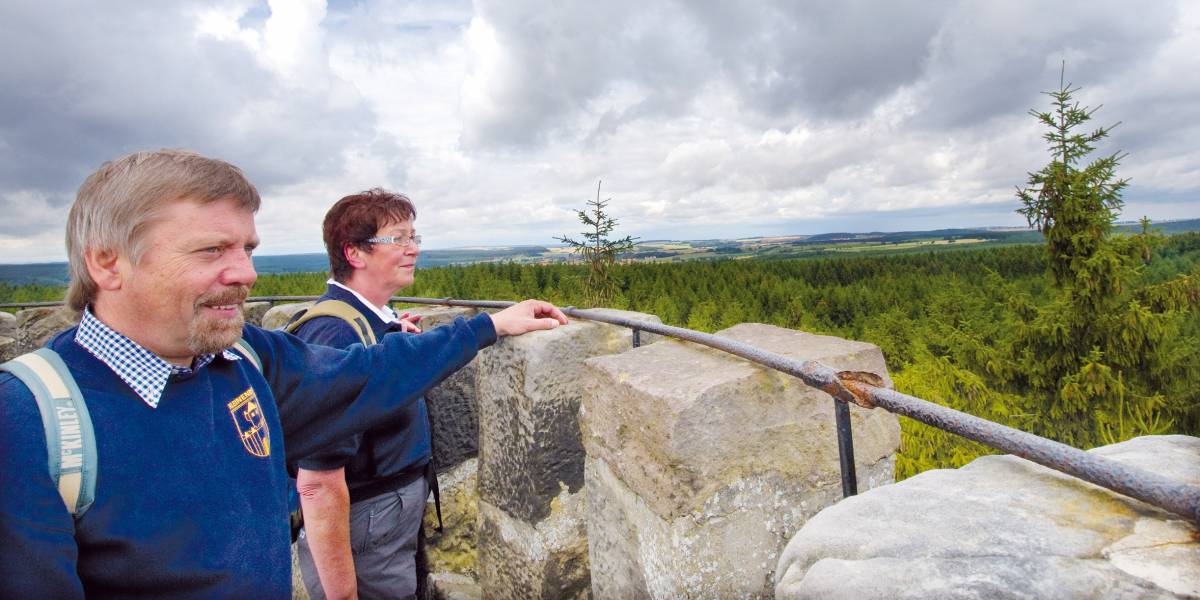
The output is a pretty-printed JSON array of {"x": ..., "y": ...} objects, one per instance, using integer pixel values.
[{"x": 396, "y": 240}]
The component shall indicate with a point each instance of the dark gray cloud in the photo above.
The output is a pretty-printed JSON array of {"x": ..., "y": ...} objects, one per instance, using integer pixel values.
[
  {"x": 788, "y": 61},
  {"x": 820, "y": 59},
  {"x": 986, "y": 55},
  {"x": 85, "y": 82},
  {"x": 783, "y": 59}
]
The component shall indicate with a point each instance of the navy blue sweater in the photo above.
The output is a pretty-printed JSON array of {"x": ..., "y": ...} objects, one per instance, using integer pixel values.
[
  {"x": 187, "y": 503},
  {"x": 382, "y": 451}
]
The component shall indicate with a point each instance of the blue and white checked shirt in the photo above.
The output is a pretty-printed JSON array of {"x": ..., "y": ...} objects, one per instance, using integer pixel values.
[{"x": 143, "y": 370}]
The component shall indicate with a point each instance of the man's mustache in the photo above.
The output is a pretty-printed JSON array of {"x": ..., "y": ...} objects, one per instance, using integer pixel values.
[{"x": 233, "y": 295}]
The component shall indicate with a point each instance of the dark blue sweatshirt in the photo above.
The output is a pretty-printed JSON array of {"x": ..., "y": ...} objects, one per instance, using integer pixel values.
[
  {"x": 191, "y": 497},
  {"x": 382, "y": 451}
]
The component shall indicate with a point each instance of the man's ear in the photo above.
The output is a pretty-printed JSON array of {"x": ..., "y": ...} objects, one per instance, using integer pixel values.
[
  {"x": 104, "y": 268},
  {"x": 354, "y": 256}
]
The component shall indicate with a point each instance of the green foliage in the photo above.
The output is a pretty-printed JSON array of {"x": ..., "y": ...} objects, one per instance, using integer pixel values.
[
  {"x": 1094, "y": 358},
  {"x": 599, "y": 252},
  {"x": 954, "y": 325},
  {"x": 1106, "y": 348},
  {"x": 30, "y": 293},
  {"x": 1074, "y": 207}
]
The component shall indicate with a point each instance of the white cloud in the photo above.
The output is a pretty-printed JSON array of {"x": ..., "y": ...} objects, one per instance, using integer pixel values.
[{"x": 499, "y": 117}]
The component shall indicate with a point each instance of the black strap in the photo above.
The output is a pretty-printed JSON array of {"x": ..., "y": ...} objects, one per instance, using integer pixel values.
[{"x": 431, "y": 474}]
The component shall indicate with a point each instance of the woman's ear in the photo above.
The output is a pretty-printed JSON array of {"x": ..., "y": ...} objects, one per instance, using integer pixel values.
[{"x": 354, "y": 256}]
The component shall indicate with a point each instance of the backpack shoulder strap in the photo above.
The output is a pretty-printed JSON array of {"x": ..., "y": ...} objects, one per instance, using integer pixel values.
[
  {"x": 70, "y": 440},
  {"x": 245, "y": 349},
  {"x": 341, "y": 310}
]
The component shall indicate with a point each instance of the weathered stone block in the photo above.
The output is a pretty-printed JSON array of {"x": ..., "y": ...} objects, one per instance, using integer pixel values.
[
  {"x": 702, "y": 465},
  {"x": 453, "y": 586},
  {"x": 1003, "y": 527},
  {"x": 453, "y": 407},
  {"x": 454, "y": 549},
  {"x": 254, "y": 311},
  {"x": 529, "y": 392},
  {"x": 518, "y": 560},
  {"x": 278, "y": 316},
  {"x": 532, "y": 537}
]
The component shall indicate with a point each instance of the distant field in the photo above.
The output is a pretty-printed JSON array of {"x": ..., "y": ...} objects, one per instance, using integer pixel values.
[
  {"x": 669, "y": 251},
  {"x": 903, "y": 245}
]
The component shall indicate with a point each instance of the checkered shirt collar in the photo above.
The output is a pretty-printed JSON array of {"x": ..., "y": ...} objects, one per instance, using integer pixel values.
[{"x": 143, "y": 370}]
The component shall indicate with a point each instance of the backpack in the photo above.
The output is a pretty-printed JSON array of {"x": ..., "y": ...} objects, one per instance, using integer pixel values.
[
  {"x": 70, "y": 439},
  {"x": 334, "y": 308}
]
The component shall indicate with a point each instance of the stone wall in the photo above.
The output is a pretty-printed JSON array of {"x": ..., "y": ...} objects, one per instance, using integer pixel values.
[
  {"x": 532, "y": 540},
  {"x": 700, "y": 465},
  {"x": 574, "y": 466}
]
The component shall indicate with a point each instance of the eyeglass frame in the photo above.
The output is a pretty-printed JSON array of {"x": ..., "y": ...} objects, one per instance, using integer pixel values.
[{"x": 395, "y": 240}]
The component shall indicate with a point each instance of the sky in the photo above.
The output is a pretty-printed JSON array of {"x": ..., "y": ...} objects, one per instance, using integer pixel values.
[{"x": 499, "y": 118}]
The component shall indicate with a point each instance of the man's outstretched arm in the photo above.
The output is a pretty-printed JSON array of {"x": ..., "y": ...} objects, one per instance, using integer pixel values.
[{"x": 364, "y": 386}]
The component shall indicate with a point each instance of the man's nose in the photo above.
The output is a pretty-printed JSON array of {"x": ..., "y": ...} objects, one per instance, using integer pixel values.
[{"x": 240, "y": 270}]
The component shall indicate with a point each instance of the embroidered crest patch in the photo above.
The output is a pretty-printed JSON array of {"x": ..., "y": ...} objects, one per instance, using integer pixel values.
[{"x": 251, "y": 424}]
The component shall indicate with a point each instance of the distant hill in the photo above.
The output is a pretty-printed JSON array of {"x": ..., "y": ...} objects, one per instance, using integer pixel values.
[
  {"x": 1167, "y": 227},
  {"x": 1007, "y": 235},
  {"x": 772, "y": 247},
  {"x": 55, "y": 274}
]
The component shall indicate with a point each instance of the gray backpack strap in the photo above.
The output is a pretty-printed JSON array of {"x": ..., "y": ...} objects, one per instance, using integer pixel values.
[
  {"x": 70, "y": 439},
  {"x": 245, "y": 349}
]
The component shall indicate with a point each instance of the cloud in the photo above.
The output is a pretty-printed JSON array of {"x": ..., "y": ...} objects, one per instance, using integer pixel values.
[
  {"x": 498, "y": 117},
  {"x": 87, "y": 82}
]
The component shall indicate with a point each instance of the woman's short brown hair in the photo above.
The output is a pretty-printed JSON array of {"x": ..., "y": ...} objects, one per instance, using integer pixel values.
[{"x": 356, "y": 218}]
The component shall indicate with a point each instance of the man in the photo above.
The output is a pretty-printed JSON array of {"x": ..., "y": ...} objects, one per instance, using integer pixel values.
[
  {"x": 191, "y": 496},
  {"x": 363, "y": 499}
]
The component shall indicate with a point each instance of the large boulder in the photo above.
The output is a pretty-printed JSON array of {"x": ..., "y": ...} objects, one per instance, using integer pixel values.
[
  {"x": 254, "y": 312},
  {"x": 8, "y": 324},
  {"x": 279, "y": 315},
  {"x": 1003, "y": 527},
  {"x": 701, "y": 465},
  {"x": 8, "y": 348},
  {"x": 35, "y": 326}
]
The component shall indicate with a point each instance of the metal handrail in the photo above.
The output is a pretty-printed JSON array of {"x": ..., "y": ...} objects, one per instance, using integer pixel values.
[
  {"x": 21, "y": 305},
  {"x": 865, "y": 389}
]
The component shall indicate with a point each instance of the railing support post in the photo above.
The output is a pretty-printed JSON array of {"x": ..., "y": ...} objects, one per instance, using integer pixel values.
[{"x": 846, "y": 449}]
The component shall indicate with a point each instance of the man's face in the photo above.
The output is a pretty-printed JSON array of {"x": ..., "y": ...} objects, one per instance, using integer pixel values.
[
  {"x": 391, "y": 265},
  {"x": 187, "y": 290}
]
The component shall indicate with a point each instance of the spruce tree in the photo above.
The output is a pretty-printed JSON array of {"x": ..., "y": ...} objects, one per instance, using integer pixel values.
[{"x": 599, "y": 252}]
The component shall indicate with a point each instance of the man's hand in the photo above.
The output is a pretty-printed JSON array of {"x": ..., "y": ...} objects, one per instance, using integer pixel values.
[{"x": 530, "y": 315}]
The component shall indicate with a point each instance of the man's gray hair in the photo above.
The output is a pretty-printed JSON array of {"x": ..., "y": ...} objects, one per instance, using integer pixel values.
[{"x": 118, "y": 204}]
